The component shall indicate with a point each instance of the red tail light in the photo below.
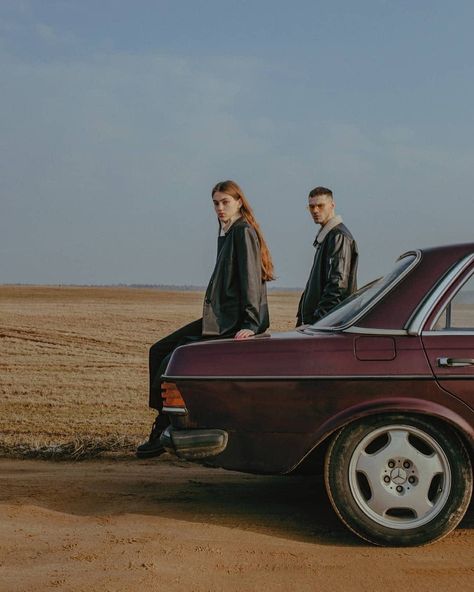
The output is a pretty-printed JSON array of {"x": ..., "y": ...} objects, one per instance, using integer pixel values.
[{"x": 173, "y": 401}]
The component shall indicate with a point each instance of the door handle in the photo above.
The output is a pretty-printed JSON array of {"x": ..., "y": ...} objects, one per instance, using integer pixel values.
[{"x": 455, "y": 362}]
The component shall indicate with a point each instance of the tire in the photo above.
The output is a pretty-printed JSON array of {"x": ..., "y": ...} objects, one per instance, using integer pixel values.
[{"x": 398, "y": 480}]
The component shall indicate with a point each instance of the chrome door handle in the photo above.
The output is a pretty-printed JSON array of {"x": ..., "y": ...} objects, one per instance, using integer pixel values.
[{"x": 455, "y": 362}]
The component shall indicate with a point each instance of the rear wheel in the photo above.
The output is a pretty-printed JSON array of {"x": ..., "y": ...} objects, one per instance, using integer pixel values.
[{"x": 398, "y": 480}]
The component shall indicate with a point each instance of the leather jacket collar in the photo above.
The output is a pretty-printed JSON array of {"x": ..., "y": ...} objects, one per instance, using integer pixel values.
[{"x": 324, "y": 230}]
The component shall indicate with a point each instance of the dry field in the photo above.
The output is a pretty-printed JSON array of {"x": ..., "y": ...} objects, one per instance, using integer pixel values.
[
  {"x": 74, "y": 382},
  {"x": 73, "y": 363}
]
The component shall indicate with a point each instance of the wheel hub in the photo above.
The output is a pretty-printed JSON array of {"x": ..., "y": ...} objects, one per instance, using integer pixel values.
[{"x": 398, "y": 476}]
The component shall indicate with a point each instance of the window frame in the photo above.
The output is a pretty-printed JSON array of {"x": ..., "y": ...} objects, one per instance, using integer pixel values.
[{"x": 450, "y": 295}]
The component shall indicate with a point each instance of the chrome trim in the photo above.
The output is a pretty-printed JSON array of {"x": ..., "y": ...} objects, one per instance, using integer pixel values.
[
  {"x": 460, "y": 287},
  {"x": 370, "y": 331},
  {"x": 445, "y": 377},
  {"x": 306, "y": 377},
  {"x": 423, "y": 311},
  {"x": 175, "y": 410},
  {"x": 194, "y": 444},
  {"x": 455, "y": 362},
  {"x": 377, "y": 299},
  {"x": 450, "y": 333}
]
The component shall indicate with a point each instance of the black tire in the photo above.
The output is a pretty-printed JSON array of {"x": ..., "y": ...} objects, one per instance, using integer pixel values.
[{"x": 398, "y": 480}]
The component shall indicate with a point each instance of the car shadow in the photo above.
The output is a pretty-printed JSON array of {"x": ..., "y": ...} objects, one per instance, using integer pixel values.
[{"x": 290, "y": 507}]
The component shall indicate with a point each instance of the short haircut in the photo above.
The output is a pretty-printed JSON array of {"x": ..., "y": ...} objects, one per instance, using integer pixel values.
[{"x": 320, "y": 191}]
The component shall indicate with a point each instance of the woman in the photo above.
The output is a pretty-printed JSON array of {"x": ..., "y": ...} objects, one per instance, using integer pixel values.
[{"x": 235, "y": 304}]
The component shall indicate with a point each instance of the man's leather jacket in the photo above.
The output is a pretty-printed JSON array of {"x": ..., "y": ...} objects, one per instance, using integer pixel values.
[
  {"x": 333, "y": 276},
  {"x": 236, "y": 297}
]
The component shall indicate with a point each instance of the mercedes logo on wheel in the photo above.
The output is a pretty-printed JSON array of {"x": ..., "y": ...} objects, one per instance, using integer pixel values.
[{"x": 398, "y": 476}]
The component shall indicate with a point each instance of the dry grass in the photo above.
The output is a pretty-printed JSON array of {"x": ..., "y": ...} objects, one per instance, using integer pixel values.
[
  {"x": 73, "y": 364},
  {"x": 81, "y": 448}
]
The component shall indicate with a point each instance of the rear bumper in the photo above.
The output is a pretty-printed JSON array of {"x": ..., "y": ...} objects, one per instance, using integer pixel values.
[{"x": 194, "y": 444}]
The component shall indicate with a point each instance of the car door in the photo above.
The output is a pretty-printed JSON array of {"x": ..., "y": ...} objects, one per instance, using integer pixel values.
[{"x": 448, "y": 339}]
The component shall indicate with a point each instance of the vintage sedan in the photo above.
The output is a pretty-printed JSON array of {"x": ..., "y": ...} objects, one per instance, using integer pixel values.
[{"x": 379, "y": 393}]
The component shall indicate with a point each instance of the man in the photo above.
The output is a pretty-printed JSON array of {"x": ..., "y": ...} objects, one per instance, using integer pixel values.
[{"x": 333, "y": 276}]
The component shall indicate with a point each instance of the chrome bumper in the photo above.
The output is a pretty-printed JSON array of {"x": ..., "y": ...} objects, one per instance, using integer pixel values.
[{"x": 194, "y": 444}]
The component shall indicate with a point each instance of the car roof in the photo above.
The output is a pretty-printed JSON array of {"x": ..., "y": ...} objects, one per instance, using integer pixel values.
[{"x": 398, "y": 305}]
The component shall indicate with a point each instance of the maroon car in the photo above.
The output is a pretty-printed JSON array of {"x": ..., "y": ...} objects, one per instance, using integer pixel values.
[{"x": 380, "y": 392}]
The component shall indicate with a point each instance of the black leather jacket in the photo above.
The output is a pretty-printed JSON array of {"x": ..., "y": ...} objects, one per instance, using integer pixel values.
[
  {"x": 236, "y": 297},
  {"x": 333, "y": 276}
]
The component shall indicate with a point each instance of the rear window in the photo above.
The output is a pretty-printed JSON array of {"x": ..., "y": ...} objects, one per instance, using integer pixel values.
[{"x": 356, "y": 305}]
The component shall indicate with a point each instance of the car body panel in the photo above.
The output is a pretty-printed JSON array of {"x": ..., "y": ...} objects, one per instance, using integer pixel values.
[
  {"x": 320, "y": 354},
  {"x": 458, "y": 380},
  {"x": 283, "y": 440},
  {"x": 279, "y": 397}
]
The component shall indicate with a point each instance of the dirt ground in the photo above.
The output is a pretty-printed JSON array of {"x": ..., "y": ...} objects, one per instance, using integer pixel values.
[
  {"x": 73, "y": 371},
  {"x": 169, "y": 525}
]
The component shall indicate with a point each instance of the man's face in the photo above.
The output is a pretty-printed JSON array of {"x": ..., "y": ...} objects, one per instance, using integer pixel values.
[{"x": 321, "y": 208}]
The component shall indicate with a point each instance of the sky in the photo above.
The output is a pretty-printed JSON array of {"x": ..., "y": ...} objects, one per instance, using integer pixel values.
[{"x": 118, "y": 117}]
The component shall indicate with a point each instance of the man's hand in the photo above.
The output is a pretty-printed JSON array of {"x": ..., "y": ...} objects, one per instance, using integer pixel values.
[{"x": 244, "y": 334}]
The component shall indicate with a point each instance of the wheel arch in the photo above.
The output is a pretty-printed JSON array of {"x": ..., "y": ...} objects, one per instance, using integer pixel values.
[{"x": 440, "y": 413}]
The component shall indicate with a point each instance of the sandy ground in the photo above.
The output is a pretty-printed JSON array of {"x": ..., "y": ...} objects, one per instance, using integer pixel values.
[
  {"x": 169, "y": 525},
  {"x": 73, "y": 369}
]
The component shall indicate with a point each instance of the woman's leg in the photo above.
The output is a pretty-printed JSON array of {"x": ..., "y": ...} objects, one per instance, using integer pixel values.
[
  {"x": 160, "y": 353},
  {"x": 159, "y": 356}
]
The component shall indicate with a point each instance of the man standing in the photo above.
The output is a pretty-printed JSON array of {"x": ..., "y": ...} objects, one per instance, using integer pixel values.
[{"x": 333, "y": 276}]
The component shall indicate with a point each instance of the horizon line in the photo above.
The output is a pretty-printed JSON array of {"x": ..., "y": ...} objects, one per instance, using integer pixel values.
[{"x": 174, "y": 287}]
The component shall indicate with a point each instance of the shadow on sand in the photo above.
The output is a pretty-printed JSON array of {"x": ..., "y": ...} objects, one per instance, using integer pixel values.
[{"x": 290, "y": 507}]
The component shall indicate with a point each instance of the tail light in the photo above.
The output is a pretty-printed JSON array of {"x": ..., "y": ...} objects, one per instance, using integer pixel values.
[{"x": 172, "y": 399}]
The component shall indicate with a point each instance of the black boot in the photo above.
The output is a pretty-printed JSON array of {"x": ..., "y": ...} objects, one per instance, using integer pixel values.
[{"x": 152, "y": 447}]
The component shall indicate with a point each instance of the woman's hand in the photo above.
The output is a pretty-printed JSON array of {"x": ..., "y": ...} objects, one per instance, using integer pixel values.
[{"x": 243, "y": 334}]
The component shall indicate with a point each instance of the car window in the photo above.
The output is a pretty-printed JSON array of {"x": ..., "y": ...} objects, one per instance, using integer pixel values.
[
  {"x": 458, "y": 314},
  {"x": 356, "y": 304}
]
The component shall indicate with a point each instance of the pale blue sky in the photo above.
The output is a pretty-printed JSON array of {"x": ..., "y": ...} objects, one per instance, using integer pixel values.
[{"x": 117, "y": 118}]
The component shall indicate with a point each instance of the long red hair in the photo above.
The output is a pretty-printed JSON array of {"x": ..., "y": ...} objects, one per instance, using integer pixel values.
[{"x": 231, "y": 188}]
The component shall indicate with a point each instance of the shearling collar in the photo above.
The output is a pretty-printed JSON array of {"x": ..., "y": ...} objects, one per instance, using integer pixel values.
[{"x": 326, "y": 229}]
